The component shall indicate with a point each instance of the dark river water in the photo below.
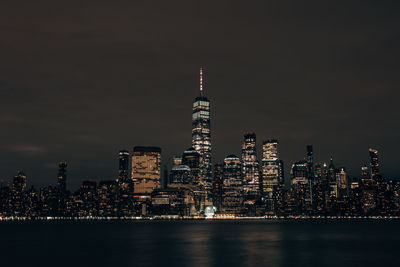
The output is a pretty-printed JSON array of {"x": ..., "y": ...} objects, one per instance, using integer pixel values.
[{"x": 201, "y": 243}]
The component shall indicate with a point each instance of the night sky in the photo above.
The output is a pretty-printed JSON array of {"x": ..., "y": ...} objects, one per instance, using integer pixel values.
[{"x": 81, "y": 80}]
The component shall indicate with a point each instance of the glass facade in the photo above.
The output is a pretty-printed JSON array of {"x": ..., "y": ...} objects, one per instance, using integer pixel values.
[
  {"x": 62, "y": 176},
  {"x": 250, "y": 166},
  {"x": 271, "y": 167},
  {"x": 191, "y": 158},
  {"x": 271, "y": 173},
  {"x": 232, "y": 185},
  {"x": 374, "y": 165},
  {"x": 123, "y": 168},
  {"x": 201, "y": 134}
]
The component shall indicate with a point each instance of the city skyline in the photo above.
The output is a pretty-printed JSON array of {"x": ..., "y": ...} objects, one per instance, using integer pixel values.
[
  {"x": 192, "y": 188},
  {"x": 199, "y": 133},
  {"x": 81, "y": 85},
  {"x": 200, "y": 115}
]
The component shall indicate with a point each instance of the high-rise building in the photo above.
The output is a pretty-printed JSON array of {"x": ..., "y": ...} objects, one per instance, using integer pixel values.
[
  {"x": 87, "y": 194},
  {"x": 250, "y": 166},
  {"x": 299, "y": 173},
  {"x": 270, "y": 149},
  {"x": 319, "y": 187},
  {"x": 333, "y": 181},
  {"x": 146, "y": 169},
  {"x": 165, "y": 178},
  {"x": 232, "y": 199},
  {"x": 321, "y": 172},
  {"x": 301, "y": 187},
  {"x": 331, "y": 172},
  {"x": 181, "y": 174},
  {"x": 62, "y": 176},
  {"x": 343, "y": 180},
  {"x": 218, "y": 182},
  {"x": 18, "y": 192},
  {"x": 201, "y": 134},
  {"x": 123, "y": 170},
  {"x": 310, "y": 161},
  {"x": 374, "y": 165},
  {"x": 191, "y": 158},
  {"x": 271, "y": 169},
  {"x": 365, "y": 172},
  {"x": 365, "y": 175},
  {"x": 19, "y": 182}
]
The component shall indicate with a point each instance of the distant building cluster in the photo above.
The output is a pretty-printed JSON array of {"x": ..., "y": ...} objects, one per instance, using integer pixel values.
[{"x": 193, "y": 186}]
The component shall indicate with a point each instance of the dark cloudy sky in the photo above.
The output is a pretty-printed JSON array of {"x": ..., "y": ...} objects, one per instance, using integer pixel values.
[{"x": 80, "y": 80}]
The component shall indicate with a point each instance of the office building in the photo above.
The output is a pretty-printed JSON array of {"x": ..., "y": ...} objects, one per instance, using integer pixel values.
[
  {"x": 146, "y": 169},
  {"x": 123, "y": 168},
  {"x": 201, "y": 133},
  {"x": 62, "y": 177},
  {"x": 232, "y": 196},
  {"x": 250, "y": 167},
  {"x": 271, "y": 173}
]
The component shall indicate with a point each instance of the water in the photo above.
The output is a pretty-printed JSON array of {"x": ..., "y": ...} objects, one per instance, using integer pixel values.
[{"x": 201, "y": 243}]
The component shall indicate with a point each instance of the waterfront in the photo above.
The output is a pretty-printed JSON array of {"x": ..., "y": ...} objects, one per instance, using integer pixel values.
[{"x": 201, "y": 243}]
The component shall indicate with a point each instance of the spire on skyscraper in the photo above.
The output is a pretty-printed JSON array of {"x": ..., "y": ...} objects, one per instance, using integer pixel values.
[{"x": 201, "y": 81}]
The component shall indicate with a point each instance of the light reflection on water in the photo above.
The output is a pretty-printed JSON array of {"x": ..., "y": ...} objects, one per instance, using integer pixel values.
[{"x": 201, "y": 243}]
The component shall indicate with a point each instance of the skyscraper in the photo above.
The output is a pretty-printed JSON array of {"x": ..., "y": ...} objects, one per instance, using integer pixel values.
[
  {"x": 191, "y": 158},
  {"x": 18, "y": 191},
  {"x": 146, "y": 169},
  {"x": 123, "y": 169},
  {"x": 310, "y": 161},
  {"x": 365, "y": 175},
  {"x": 301, "y": 188},
  {"x": 271, "y": 165},
  {"x": 321, "y": 172},
  {"x": 19, "y": 183},
  {"x": 343, "y": 179},
  {"x": 271, "y": 173},
  {"x": 299, "y": 172},
  {"x": 333, "y": 183},
  {"x": 232, "y": 184},
  {"x": 62, "y": 176},
  {"x": 374, "y": 165},
  {"x": 250, "y": 166},
  {"x": 201, "y": 134},
  {"x": 218, "y": 182},
  {"x": 180, "y": 174}
]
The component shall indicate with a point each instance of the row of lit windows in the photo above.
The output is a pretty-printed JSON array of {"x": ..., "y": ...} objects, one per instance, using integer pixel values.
[
  {"x": 201, "y": 115},
  {"x": 201, "y": 103}
]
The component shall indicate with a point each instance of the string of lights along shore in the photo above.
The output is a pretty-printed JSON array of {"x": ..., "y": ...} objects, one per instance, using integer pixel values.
[{"x": 192, "y": 187}]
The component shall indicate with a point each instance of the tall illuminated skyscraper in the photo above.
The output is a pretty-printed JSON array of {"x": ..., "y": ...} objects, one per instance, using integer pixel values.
[
  {"x": 374, "y": 165},
  {"x": 123, "y": 168},
  {"x": 201, "y": 134},
  {"x": 343, "y": 181},
  {"x": 301, "y": 187},
  {"x": 272, "y": 166},
  {"x": 19, "y": 183},
  {"x": 333, "y": 183},
  {"x": 250, "y": 166},
  {"x": 271, "y": 172},
  {"x": 18, "y": 189},
  {"x": 62, "y": 176},
  {"x": 191, "y": 158},
  {"x": 218, "y": 183},
  {"x": 310, "y": 162},
  {"x": 232, "y": 190},
  {"x": 146, "y": 169}
]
